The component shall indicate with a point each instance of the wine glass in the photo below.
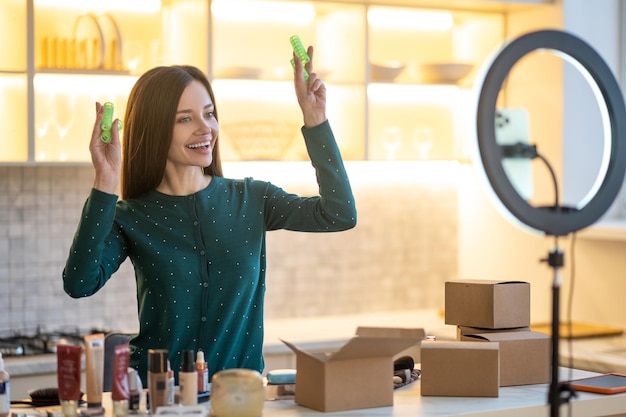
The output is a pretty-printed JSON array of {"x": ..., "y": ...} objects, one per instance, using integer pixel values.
[
  {"x": 423, "y": 141},
  {"x": 392, "y": 139},
  {"x": 63, "y": 112}
]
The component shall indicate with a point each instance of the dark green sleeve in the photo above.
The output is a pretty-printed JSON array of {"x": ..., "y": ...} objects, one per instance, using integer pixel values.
[
  {"x": 98, "y": 248},
  {"x": 334, "y": 209}
]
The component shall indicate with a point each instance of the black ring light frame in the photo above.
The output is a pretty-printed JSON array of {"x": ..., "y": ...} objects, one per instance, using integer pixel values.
[{"x": 554, "y": 221}]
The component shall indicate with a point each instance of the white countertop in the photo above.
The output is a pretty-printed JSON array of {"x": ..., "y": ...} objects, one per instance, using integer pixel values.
[
  {"x": 333, "y": 331},
  {"x": 520, "y": 401},
  {"x": 599, "y": 354}
]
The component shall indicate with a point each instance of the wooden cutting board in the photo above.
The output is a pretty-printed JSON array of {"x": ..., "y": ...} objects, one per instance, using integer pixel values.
[{"x": 579, "y": 330}]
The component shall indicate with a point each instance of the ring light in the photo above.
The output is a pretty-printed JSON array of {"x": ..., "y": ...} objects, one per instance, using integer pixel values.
[{"x": 556, "y": 221}]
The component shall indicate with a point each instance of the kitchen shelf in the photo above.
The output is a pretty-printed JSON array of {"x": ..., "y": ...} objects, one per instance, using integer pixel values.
[
  {"x": 71, "y": 72},
  {"x": 245, "y": 52}
]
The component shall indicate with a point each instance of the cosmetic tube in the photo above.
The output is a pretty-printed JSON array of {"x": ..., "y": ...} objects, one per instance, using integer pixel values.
[
  {"x": 68, "y": 377},
  {"x": 188, "y": 380},
  {"x": 157, "y": 378},
  {"x": 94, "y": 364},
  {"x": 120, "y": 392}
]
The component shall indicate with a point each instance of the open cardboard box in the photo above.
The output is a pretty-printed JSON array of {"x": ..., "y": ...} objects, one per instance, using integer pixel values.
[
  {"x": 358, "y": 375},
  {"x": 487, "y": 303}
]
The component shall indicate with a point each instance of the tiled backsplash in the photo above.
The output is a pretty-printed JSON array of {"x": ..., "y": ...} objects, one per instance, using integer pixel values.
[{"x": 398, "y": 257}]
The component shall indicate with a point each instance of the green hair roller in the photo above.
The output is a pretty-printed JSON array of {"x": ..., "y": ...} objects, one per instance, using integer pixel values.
[
  {"x": 300, "y": 52},
  {"x": 107, "y": 122}
]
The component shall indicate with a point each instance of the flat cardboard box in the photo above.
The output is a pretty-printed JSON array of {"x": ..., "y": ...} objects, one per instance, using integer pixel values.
[
  {"x": 463, "y": 330},
  {"x": 460, "y": 369},
  {"x": 524, "y": 356},
  {"x": 488, "y": 304},
  {"x": 358, "y": 375}
]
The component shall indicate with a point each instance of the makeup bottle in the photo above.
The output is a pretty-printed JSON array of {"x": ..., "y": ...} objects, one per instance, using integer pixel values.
[
  {"x": 203, "y": 373},
  {"x": 68, "y": 378},
  {"x": 5, "y": 390},
  {"x": 120, "y": 391},
  {"x": 94, "y": 368},
  {"x": 157, "y": 378},
  {"x": 171, "y": 385},
  {"x": 135, "y": 388},
  {"x": 188, "y": 380}
]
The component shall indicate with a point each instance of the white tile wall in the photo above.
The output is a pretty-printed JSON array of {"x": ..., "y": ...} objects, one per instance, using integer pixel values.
[{"x": 398, "y": 257}]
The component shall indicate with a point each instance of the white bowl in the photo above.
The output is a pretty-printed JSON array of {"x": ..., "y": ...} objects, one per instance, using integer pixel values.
[
  {"x": 445, "y": 73},
  {"x": 385, "y": 73}
]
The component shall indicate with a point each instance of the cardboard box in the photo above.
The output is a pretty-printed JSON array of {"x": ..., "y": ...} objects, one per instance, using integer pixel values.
[
  {"x": 460, "y": 369},
  {"x": 524, "y": 356},
  {"x": 464, "y": 330},
  {"x": 358, "y": 375},
  {"x": 488, "y": 304}
]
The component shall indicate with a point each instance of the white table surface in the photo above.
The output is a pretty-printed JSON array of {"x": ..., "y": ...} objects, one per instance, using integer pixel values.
[
  {"x": 600, "y": 354},
  {"x": 521, "y": 401}
]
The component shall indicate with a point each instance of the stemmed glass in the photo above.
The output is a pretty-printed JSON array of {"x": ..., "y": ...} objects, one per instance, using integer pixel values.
[
  {"x": 423, "y": 141},
  {"x": 63, "y": 112},
  {"x": 392, "y": 139}
]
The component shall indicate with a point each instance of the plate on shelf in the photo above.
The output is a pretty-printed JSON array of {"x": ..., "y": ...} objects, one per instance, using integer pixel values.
[
  {"x": 443, "y": 73},
  {"x": 239, "y": 72}
]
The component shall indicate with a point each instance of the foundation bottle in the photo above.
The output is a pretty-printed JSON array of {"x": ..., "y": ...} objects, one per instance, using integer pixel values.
[{"x": 157, "y": 379}]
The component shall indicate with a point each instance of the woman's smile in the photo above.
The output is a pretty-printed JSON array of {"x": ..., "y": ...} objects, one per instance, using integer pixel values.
[{"x": 201, "y": 146}]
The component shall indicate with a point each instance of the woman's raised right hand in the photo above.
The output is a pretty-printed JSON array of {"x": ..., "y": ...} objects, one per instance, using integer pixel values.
[{"x": 106, "y": 157}]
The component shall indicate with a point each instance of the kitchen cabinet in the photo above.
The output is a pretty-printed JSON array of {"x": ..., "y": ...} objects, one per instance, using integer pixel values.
[{"x": 65, "y": 55}]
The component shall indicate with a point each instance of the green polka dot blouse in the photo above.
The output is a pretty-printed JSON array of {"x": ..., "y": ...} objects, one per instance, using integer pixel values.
[{"x": 199, "y": 259}]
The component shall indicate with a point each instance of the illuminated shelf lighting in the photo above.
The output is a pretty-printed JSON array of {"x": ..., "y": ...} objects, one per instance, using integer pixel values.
[
  {"x": 409, "y": 94},
  {"x": 263, "y": 11},
  {"x": 273, "y": 91},
  {"x": 81, "y": 83},
  {"x": 405, "y": 19},
  {"x": 13, "y": 81},
  {"x": 141, "y": 6}
]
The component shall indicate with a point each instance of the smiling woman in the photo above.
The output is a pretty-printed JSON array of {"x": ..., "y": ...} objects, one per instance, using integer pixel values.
[
  {"x": 193, "y": 140},
  {"x": 195, "y": 238}
]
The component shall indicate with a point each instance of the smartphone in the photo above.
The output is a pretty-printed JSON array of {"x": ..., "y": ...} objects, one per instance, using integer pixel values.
[
  {"x": 610, "y": 383},
  {"x": 512, "y": 127}
]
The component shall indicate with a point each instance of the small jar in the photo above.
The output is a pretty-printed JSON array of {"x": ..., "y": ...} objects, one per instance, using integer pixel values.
[{"x": 237, "y": 393}]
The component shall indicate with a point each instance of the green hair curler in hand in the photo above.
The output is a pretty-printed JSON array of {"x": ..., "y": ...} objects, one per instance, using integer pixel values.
[
  {"x": 300, "y": 52},
  {"x": 107, "y": 122}
]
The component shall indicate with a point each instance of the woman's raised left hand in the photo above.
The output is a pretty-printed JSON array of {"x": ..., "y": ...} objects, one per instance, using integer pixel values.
[{"x": 312, "y": 94}]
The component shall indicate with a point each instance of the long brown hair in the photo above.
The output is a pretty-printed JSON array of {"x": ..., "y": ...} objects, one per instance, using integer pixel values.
[{"x": 149, "y": 125}]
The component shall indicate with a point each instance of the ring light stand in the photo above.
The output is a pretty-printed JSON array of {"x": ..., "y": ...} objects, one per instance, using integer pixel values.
[{"x": 555, "y": 220}]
